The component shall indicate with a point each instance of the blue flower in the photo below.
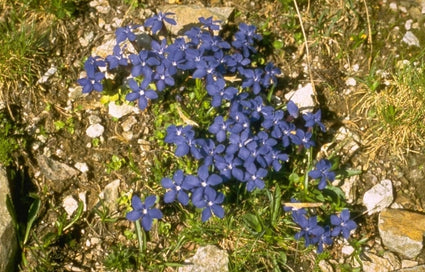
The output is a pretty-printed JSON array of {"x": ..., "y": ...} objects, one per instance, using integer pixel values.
[
  {"x": 178, "y": 188},
  {"x": 156, "y": 21},
  {"x": 125, "y": 33},
  {"x": 253, "y": 79},
  {"x": 92, "y": 82},
  {"x": 244, "y": 39},
  {"x": 228, "y": 165},
  {"x": 219, "y": 128},
  {"x": 292, "y": 109},
  {"x": 310, "y": 230},
  {"x": 254, "y": 178},
  {"x": 117, "y": 58},
  {"x": 205, "y": 180},
  {"x": 270, "y": 75},
  {"x": 210, "y": 201},
  {"x": 209, "y": 150},
  {"x": 162, "y": 77},
  {"x": 144, "y": 211},
  {"x": 209, "y": 23},
  {"x": 217, "y": 89},
  {"x": 312, "y": 119},
  {"x": 323, "y": 172},
  {"x": 142, "y": 64},
  {"x": 184, "y": 138},
  {"x": 303, "y": 138},
  {"x": 140, "y": 93},
  {"x": 342, "y": 224},
  {"x": 324, "y": 239}
]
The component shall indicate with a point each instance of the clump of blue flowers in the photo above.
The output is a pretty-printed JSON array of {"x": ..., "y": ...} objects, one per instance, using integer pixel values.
[{"x": 247, "y": 140}]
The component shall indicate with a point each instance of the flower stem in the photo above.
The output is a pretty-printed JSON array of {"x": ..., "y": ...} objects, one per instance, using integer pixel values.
[
  {"x": 308, "y": 168},
  {"x": 141, "y": 236}
]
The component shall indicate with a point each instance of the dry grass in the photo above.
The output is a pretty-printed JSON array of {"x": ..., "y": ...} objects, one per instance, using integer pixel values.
[{"x": 395, "y": 116}]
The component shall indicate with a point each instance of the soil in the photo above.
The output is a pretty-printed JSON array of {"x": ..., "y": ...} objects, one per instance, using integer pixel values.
[{"x": 338, "y": 40}]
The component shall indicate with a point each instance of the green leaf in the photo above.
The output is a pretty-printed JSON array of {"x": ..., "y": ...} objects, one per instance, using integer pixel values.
[
  {"x": 77, "y": 215},
  {"x": 278, "y": 44},
  {"x": 32, "y": 215},
  {"x": 253, "y": 222},
  {"x": 275, "y": 206}
]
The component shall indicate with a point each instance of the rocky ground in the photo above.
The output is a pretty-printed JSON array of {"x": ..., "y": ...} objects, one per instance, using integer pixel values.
[{"x": 73, "y": 159}]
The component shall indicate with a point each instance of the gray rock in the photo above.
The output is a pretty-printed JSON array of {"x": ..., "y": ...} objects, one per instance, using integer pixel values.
[
  {"x": 410, "y": 39},
  {"x": 418, "y": 268},
  {"x": 187, "y": 16},
  {"x": 110, "y": 194},
  {"x": 54, "y": 170},
  {"x": 379, "y": 197},
  {"x": 402, "y": 231},
  {"x": 118, "y": 111},
  {"x": 376, "y": 263},
  {"x": 207, "y": 259},
  {"x": 303, "y": 98},
  {"x": 8, "y": 242},
  {"x": 95, "y": 130}
]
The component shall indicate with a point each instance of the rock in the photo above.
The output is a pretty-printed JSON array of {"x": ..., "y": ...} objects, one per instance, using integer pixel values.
[
  {"x": 324, "y": 266},
  {"x": 82, "y": 167},
  {"x": 347, "y": 250},
  {"x": 8, "y": 242},
  {"x": 95, "y": 130},
  {"x": 303, "y": 97},
  {"x": 128, "y": 123},
  {"x": 379, "y": 197},
  {"x": 70, "y": 205},
  {"x": 410, "y": 39},
  {"x": 54, "y": 170},
  {"x": 207, "y": 259},
  {"x": 118, "y": 111},
  {"x": 408, "y": 263},
  {"x": 52, "y": 70},
  {"x": 377, "y": 264},
  {"x": 419, "y": 268},
  {"x": 402, "y": 231},
  {"x": 188, "y": 16},
  {"x": 110, "y": 194},
  {"x": 102, "y": 6},
  {"x": 94, "y": 119}
]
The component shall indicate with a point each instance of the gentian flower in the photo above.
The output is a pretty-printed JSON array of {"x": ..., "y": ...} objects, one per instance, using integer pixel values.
[
  {"x": 219, "y": 128},
  {"x": 92, "y": 82},
  {"x": 184, "y": 138},
  {"x": 342, "y": 224},
  {"x": 210, "y": 201},
  {"x": 209, "y": 23},
  {"x": 253, "y": 79},
  {"x": 292, "y": 109},
  {"x": 140, "y": 93},
  {"x": 303, "y": 138},
  {"x": 162, "y": 77},
  {"x": 117, "y": 58},
  {"x": 217, "y": 90},
  {"x": 125, "y": 33},
  {"x": 244, "y": 39},
  {"x": 310, "y": 230},
  {"x": 324, "y": 239},
  {"x": 270, "y": 75},
  {"x": 323, "y": 172},
  {"x": 312, "y": 119},
  {"x": 156, "y": 21},
  {"x": 228, "y": 165},
  {"x": 178, "y": 188},
  {"x": 209, "y": 150},
  {"x": 144, "y": 211},
  {"x": 254, "y": 178},
  {"x": 204, "y": 180},
  {"x": 142, "y": 64}
]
